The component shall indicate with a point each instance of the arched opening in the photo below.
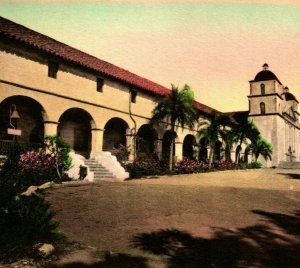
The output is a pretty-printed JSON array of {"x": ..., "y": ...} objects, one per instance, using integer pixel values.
[
  {"x": 203, "y": 152},
  {"x": 262, "y": 108},
  {"x": 217, "y": 151},
  {"x": 145, "y": 140},
  {"x": 246, "y": 154},
  {"x": 114, "y": 134},
  {"x": 237, "y": 153},
  {"x": 166, "y": 144},
  {"x": 189, "y": 143},
  {"x": 263, "y": 89},
  {"x": 30, "y": 122},
  {"x": 75, "y": 128}
]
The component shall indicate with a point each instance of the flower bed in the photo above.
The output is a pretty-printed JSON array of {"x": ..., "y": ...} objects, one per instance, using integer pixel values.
[
  {"x": 187, "y": 166},
  {"x": 148, "y": 166},
  {"x": 144, "y": 166}
]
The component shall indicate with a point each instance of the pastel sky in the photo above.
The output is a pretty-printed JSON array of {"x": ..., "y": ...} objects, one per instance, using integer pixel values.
[{"x": 214, "y": 46}]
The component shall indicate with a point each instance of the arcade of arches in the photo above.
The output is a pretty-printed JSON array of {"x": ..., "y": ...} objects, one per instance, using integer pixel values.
[{"x": 77, "y": 127}]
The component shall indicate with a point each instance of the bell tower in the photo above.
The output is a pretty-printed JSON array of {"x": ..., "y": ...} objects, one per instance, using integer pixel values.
[{"x": 265, "y": 91}]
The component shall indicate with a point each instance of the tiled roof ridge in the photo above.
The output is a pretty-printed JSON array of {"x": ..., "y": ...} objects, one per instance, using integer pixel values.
[
  {"x": 106, "y": 65},
  {"x": 50, "y": 45}
]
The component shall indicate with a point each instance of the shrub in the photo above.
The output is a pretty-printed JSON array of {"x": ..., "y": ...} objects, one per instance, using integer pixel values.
[
  {"x": 25, "y": 221},
  {"x": 59, "y": 150},
  {"x": 10, "y": 173},
  {"x": 251, "y": 165},
  {"x": 225, "y": 165},
  {"x": 143, "y": 166},
  {"x": 38, "y": 165},
  {"x": 121, "y": 152},
  {"x": 190, "y": 166}
]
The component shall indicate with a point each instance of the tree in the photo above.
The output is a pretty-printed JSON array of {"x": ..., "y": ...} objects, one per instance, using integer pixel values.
[
  {"x": 59, "y": 151},
  {"x": 177, "y": 109},
  {"x": 212, "y": 132},
  {"x": 245, "y": 129},
  {"x": 261, "y": 147},
  {"x": 229, "y": 136}
]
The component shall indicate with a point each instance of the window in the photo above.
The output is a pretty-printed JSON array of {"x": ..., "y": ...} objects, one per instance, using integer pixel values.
[
  {"x": 263, "y": 89},
  {"x": 52, "y": 69},
  {"x": 262, "y": 108},
  {"x": 100, "y": 83},
  {"x": 133, "y": 94}
]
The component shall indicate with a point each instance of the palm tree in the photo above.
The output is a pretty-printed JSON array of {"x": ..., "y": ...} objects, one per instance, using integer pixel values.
[
  {"x": 245, "y": 129},
  {"x": 177, "y": 109},
  {"x": 212, "y": 132},
  {"x": 261, "y": 147},
  {"x": 229, "y": 137}
]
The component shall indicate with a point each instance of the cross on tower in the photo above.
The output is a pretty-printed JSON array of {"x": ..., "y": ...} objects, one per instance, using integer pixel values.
[{"x": 290, "y": 154}]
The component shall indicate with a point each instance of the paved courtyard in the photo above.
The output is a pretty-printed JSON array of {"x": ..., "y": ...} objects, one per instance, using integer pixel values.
[{"x": 217, "y": 219}]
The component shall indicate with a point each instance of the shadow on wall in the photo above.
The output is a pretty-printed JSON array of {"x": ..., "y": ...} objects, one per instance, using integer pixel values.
[{"x": 274, "y": 243}]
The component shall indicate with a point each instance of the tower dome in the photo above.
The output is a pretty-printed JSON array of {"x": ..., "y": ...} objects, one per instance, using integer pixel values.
[{"x": 266, "y": 75}]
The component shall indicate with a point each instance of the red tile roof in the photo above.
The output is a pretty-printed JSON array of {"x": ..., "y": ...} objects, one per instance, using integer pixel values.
[
  {"x": 17, "y": 32},
  {"x": 235, "y": 117}
]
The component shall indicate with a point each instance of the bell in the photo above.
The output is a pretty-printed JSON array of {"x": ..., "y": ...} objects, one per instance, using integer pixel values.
[{"x": 15, "y": 114}]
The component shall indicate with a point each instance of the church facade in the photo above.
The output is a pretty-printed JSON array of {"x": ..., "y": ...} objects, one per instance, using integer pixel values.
[
  {"x": 97, "y": 106},
  {"x": 274, "y": 110}
]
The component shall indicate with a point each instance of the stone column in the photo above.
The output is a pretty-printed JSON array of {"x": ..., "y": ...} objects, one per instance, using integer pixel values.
[
  {"x": 50, "y": 128},
  {"x": 130, "y": 143},
  {"x": 178, "y": 151},
  {"x": 196, "y": 150},
  {"x": 97, "y": 140},
  {"x": 208, "y": 152},
  {"x": 158, "y": 148}
]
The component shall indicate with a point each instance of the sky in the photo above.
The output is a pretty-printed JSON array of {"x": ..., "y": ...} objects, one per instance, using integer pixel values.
[{"x": 216, "y": 47}]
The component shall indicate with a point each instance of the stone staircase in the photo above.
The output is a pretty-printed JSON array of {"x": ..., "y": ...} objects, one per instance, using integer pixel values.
[
  {"x": 289, "y": 165},
  {"x": 100, "y": 172}
]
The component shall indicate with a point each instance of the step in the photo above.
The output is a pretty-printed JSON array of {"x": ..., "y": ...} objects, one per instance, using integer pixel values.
[
  {"x": 292, "y": 165},
  {"x": 100, "y": 172},
  {"x": 97, "y": 168},
  {"x": 91, "y": 161},
  {"x": 103, "y": 174},
  {"x": 94, "y": 165},
  {"x": 104, "y": 177}
]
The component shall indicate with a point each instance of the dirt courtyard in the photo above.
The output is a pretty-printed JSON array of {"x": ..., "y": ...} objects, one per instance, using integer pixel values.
[{"x": 218, "y": 219}]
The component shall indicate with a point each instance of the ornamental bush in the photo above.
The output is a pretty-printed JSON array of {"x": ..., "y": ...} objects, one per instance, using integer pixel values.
[
  {"x": 144, "y": 166},
  {"x": 251, "y": 165},
  {"x": 190, "y": 166},
  {"x": 39, "y": 165},
  {"x": 225, "y": 165},
  {"x": 24, "y": 222},
  {"x": 59, "y": 150}
]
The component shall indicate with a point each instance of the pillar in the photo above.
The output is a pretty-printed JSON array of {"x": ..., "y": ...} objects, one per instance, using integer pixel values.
[
  {"x": 50, "y": 128},
  {"x": 178, "y": 151},
  {"x": 208, "y": 152},
  {"x": 97, "y": 140},
  {"x": 158, "y": 148},
  {"x": 196, "y": 150},
  {"x": 130, "y": 143}
]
